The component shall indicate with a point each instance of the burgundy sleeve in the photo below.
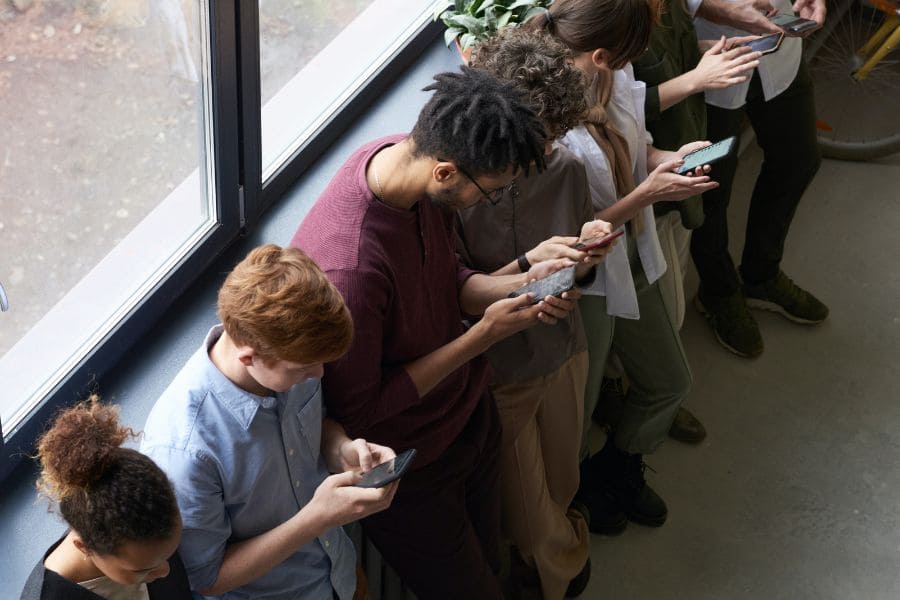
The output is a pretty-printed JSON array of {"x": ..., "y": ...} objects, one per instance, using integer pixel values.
[
  {"x": 360, "y": 391},
  {"x": 463, "y": 272}
]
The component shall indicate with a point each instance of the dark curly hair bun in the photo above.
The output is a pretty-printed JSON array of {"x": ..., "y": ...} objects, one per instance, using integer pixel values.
[
  {"x": 108, "y": 494},
  {"x": 80, "y": 447}
]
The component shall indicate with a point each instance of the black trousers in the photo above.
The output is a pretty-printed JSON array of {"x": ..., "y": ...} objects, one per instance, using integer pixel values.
[
  {"x": 441, "y": 533},
  {"x": 785, "y": 129}
]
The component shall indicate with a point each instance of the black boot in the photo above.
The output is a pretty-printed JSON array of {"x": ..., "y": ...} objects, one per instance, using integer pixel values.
[
  {"x": 621, "y": 475},
  {"x": 610, "y": 404},
  {"x": 605, "y": 517}
]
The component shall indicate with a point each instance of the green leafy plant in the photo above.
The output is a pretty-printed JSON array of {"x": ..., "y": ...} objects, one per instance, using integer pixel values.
[{"x": 474, "y": 20}]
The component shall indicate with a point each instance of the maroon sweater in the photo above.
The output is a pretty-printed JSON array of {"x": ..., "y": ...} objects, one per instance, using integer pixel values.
[{"x": 400, "y": 277}]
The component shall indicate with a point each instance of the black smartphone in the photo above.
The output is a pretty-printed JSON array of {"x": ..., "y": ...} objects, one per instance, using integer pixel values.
[
  {"x": 765, "y": 44},
  {"x": 794, "y": 24},
  {"x": 388, "y": 471},
  {"x": 554, "y": 284},
  {"x": 598, "y": 242},
  {"x": 708, "y": 155}
]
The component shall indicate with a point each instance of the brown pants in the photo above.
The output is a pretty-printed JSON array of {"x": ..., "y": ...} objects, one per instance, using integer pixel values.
[{"x": 542, "y": 421}]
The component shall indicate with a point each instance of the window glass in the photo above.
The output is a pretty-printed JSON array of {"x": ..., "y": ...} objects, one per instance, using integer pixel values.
[
  {"x": 315, "y": 54},
  {"x": 104, "y": 173}
]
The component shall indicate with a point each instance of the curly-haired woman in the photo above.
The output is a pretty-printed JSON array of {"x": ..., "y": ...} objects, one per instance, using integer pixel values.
[{"x": 123, "y": 519}]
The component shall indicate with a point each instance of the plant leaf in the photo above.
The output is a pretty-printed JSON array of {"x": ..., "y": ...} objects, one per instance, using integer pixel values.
[
  {"x": 520, "y": 4},
  {"x": 467, "y": 40},
  {"x": 503, "y": 21},
  {"x": 442, "y": 9},
  {"x": 467, "y": 23},
  {"x": 451, "y": 34}
]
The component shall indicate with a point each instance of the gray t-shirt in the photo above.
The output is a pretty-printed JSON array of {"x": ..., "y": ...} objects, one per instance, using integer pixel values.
[{"x": 554, "y": 202}]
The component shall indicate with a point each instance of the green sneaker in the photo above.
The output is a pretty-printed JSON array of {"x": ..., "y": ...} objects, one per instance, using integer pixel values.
[
  {"x": 785, "y": 297},
  {"x": 687, "y": 428},
  {"x": 734, "y": 326}
]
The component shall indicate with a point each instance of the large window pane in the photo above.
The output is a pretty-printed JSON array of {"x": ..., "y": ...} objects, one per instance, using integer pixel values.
[
  {"x": 315, "y": 54},
  {"x": 104, "y": 173}
]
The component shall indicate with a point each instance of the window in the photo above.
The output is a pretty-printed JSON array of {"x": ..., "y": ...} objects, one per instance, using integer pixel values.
[
  {"x": 314, "y": 55},
  {"x": 133, "y": 157},
  {"x": 106, "y": 176}
]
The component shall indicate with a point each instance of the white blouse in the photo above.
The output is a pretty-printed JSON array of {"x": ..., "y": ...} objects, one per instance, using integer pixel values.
[
  {"x": 626, "y": 111},
  {"x": 776, "y": 70}
]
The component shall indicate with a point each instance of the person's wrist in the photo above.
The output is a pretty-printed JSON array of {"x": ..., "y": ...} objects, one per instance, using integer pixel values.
[
  {"x": 481, "y": 335},
  {"x": 695, "y": 85},
  {"x": 314, "y": 518},
  {"x": 524, "y": 263}
]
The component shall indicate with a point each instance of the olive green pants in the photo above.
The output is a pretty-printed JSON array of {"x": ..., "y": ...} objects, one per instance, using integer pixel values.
[{"x": 654, "y": 361}]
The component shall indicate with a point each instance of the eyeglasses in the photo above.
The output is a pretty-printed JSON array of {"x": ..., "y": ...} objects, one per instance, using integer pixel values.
[{"x": 493, "y": 196}]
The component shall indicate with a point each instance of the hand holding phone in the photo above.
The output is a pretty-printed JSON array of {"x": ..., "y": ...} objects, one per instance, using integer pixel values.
[
  {"x": 794, "y": 25},
  {"x": 598, "y": 242},
  {"x": 708, "y": 155},
  {"x": 765, "y": 44},
  {"x": 555, "y": 284},
  {"x": 388, "y": 471}
]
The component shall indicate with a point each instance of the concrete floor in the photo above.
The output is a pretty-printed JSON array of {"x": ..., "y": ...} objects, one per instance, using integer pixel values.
[{"x": 795, "y": 494}]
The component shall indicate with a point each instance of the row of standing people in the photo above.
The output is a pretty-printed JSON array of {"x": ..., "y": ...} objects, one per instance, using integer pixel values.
[{"x": 542, "y": 143}]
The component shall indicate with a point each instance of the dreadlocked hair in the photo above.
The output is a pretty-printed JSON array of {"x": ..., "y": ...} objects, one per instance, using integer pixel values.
[
  {"x": 482, "y": 124},
  {"x": 542, "y": 67},
  {"x": 109, "y": 495}
]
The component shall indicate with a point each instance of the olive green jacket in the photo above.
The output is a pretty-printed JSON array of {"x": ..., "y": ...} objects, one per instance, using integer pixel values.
[{"x": 673, "y": 50}]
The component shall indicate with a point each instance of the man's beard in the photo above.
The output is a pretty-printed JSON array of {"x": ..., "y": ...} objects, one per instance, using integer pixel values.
[{"x": 446, "y": 199}]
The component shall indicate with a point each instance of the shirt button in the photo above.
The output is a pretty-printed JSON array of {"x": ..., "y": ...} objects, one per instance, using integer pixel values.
[
  {"x": 297, "y": 483},
  {"x": 290, "y": 451},
  {"x": 327, "y": 543}
]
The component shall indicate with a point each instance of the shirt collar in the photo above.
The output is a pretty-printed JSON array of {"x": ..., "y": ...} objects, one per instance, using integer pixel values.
[{"x": 242, "y": 404}]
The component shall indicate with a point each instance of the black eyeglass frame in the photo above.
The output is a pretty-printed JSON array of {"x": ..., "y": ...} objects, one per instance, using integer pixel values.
[{"x": 494, "y": 196}]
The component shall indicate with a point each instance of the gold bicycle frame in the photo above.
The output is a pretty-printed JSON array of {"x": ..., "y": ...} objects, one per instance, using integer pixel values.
[{"x": 889, "y": 33}]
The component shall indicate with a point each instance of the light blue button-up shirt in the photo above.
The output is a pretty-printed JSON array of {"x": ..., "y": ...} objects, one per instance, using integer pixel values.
[{"x": 241, "y": 465}]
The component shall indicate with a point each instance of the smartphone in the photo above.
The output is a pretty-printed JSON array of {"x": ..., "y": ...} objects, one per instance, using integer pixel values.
[
  {"x": 598, "y": 242},
  {"x": 765, "y": 44},
  {"x": 388, "y": 471},
  {"x": 794, "y": 24},
  {"x": 708, "y": 155},
  {"x": 552, "y": 285}
]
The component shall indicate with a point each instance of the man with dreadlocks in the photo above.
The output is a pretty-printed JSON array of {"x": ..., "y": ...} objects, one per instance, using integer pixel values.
[{"x": 414, "y": 378}]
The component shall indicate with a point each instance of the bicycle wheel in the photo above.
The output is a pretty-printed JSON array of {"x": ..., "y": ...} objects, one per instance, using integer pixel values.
[{"x": 858, "y": 119}]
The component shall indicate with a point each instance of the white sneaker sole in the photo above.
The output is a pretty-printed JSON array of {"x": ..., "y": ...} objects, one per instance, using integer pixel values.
[{"x": 777, "y": 308}]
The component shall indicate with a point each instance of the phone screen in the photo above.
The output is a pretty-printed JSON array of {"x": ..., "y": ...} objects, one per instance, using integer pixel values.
[
  {"x": 552, "y": 285},
  {"x": 388, "y": 471},
  {"x": 793, "y": 23},
  {"x": 708, "y": 155},
  {"x": 765, "y": 44}
]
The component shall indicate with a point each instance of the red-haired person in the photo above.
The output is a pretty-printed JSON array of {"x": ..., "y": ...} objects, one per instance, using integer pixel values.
[
  {"x": 124, "y": 525},
  {"x": 243, "y": 437}
]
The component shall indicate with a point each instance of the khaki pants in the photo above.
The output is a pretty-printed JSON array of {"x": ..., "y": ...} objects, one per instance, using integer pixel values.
[
  {"x": 542, "y": 421},
  {"x": 676, "y": 247}
]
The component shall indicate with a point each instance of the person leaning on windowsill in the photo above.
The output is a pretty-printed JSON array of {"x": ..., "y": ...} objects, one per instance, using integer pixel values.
[
  {"x": 414, "y": 378},
  {"x": 676, "y": 75},
  {"x": 121, "y": 510},
  {"x": 241, "y": 433},
  {"x": 539, "y": 373}
]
